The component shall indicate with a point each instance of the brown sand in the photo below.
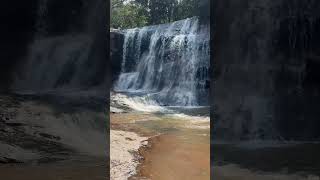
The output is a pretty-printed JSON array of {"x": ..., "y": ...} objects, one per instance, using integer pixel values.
[
  {"x": 180, "y": 154},
  {"x": 123, "y": 162},
  {"x": 172, "y": 157}
]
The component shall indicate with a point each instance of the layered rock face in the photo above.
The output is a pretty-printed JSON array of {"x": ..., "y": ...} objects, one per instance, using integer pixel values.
[
  {"x": 266, "y": 69},
  {"x": 116, "y": 53}
]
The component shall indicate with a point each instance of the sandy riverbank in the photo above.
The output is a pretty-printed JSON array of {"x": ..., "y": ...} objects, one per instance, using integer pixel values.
[
  {"x": 178, "y": 146},
  {"x": 175, "y": 150},
  {"x": 175, "y": 157},
  {"x": 123, "y": 159}
]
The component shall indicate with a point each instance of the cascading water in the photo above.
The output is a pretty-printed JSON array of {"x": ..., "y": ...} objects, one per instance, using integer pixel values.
[
  {"x": 67, "y": 68},
  {"x": 64, "y": 63},
  {"x": 168, "y": 63}
]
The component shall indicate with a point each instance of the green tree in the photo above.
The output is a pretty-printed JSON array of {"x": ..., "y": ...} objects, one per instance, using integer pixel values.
[
  {"x": 136, "y": 13},
  {"x": 127, "y": 15},
  {"x": 161, "y": 11},
  {"x": 116, "y": 3},
  {"x": 158, "y": 11}
]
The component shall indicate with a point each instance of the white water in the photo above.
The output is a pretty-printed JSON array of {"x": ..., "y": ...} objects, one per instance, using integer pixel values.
[
  {"x": 145, "y": 105},
  {"x": 167, "y": 62},
  {"x": 54, "y": 63},
  {"x": 142, "y": 104},
  {"x": 70, "y": 68},
  {"x": 64, "y": 63}
]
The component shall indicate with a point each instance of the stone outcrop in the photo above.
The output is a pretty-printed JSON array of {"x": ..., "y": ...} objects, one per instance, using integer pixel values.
[{"x": 116, "y": 48}]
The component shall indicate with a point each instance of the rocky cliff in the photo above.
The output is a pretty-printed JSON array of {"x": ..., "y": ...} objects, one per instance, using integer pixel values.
[{"x": 116, "y": 48}]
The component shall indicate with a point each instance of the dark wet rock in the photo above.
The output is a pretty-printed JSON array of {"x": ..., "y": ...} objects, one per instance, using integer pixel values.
[{"x": 116, "y": 48}]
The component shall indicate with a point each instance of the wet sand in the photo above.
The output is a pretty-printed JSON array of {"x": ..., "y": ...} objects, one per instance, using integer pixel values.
[
  {"x": 173, "y": 157},
  {"x": 123, "y": 162},
  {"x": 178, "y": 148}
]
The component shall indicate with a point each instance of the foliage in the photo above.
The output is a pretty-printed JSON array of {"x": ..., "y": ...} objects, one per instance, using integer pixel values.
[
  {"x": 161, "y": 11},
  {"x": 127, "y": 15},
  {"x": 136, "y": 13}
]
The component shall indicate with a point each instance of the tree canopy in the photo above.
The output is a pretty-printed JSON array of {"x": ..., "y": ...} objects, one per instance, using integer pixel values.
[
  {"x": 127, "y": 16},
  {"x": 137, "y": 13}
]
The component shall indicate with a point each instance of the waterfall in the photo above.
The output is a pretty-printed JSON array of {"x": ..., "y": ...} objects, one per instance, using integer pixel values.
[
  {"x": 68, "y": 62},
  {"x": 169, "y": 63},
  {"x": 61, "y": 64},
  {"x": 67, "y": 69}
]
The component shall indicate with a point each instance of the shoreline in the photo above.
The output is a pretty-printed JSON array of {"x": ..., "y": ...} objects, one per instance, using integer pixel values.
[
  {"x": 181, "y": 148},
  {"x": 124, "y": 156},
  {"x": 178, "y": 145},
  {"x": 141, "y": 153},
  {"x": 167, "y": 157}
]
